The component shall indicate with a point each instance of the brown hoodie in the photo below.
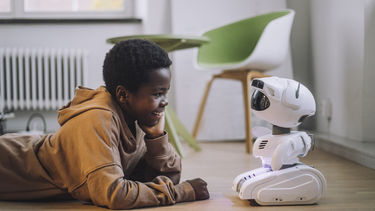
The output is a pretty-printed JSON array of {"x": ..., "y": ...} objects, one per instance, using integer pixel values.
[{"x": 92, "y": 157}]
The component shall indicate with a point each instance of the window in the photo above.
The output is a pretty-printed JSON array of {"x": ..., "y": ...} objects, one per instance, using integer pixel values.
[{"x": 66, "y": 9}]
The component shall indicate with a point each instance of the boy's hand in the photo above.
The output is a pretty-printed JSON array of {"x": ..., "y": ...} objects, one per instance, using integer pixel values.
[
  {"x": 200, "y": 188},
  {"x": 156, "y": 130}
]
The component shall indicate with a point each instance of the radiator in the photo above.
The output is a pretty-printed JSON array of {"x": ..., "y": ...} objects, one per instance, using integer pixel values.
[{"x": 40, "y": 79}]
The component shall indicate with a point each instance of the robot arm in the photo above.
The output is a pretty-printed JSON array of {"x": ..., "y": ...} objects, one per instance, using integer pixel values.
[{"x": 288, "y": 151}]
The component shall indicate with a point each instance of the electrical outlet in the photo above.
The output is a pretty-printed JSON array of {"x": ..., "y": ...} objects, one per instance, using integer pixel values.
[{"x": 326, "y": 108}]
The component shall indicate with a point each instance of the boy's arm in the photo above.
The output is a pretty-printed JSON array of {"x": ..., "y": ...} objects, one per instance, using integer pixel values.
[
  {"x": 104, "y": 174},
  {"x": 94, "y": 154},
  {"x": 107, "y": 187},
  {"x": 162, "y": 159}
]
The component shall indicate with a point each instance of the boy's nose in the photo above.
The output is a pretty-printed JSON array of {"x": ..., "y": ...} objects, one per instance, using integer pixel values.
[{"x": 164, "y": 102}]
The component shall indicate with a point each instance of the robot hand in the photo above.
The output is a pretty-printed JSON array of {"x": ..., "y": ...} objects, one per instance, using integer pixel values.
[{"x": 287, "y": 152}]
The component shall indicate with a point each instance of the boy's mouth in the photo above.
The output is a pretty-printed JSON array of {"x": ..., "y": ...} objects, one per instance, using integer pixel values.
[{"x": 157, "y": 114}]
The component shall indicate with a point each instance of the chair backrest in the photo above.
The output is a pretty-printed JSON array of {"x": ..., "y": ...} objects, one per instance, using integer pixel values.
[{"x": 259, "y": 42}]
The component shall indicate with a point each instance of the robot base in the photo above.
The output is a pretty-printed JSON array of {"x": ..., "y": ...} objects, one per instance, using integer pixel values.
[{"x": 300, "y": 184}]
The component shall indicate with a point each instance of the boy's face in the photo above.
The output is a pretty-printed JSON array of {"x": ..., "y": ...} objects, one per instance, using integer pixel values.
[{"x": 148, "y": 103}]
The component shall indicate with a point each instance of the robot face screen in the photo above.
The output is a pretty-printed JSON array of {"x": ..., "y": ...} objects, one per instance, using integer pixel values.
[{"x": 259, "y": 101}]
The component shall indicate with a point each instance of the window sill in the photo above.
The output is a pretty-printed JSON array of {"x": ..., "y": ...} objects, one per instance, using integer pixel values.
[{"x": 70, "y": 21}]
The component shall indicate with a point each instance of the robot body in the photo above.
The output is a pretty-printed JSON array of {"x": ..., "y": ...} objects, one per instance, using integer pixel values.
[{"x": 282, "y": 179}]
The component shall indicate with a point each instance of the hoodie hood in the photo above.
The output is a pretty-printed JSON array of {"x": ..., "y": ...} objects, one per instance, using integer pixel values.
[{"x": 86, "y": 99}]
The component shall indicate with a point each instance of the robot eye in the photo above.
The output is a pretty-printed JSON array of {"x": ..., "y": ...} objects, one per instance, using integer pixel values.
[{"x": 259, "y": 101}]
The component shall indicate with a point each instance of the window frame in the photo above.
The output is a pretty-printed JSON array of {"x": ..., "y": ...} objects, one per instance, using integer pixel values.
[{"x": 17, "y": 12}]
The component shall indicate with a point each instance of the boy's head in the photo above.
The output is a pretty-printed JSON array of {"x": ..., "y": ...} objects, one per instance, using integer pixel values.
[{"x": 130, "y": 62}]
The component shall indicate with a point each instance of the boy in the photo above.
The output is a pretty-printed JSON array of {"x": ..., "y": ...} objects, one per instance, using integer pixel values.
[{"x": 111, "y": 148}]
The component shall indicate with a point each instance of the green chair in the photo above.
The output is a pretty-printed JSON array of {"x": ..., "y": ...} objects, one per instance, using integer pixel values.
[{"x": 245, "y": 50}]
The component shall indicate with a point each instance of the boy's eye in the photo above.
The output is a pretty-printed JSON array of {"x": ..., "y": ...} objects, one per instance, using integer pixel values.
[{"x": 158, "y": 94}]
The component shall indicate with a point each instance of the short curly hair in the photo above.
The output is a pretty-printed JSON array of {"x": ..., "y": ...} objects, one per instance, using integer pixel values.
[{"x": 129, "y": 62}]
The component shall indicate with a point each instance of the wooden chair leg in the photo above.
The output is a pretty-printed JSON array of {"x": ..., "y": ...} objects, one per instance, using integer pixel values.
[
  {"x": 246, "y": 95},
  {"x": 249, "y": 76},
  {"x": 201, "y": 108}
]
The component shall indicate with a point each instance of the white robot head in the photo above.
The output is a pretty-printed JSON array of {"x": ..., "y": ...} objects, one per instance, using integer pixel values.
[{"x": 282, "y": 102}]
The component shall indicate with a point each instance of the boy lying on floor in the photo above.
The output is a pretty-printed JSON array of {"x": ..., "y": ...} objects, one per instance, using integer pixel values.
[{"x": 111, "y": 148}]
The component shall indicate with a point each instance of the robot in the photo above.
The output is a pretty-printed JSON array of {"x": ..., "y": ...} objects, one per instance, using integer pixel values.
[{"x": 282, "y": 179}]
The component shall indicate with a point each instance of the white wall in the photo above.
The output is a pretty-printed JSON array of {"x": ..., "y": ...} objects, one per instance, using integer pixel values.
[
  {"x": 300, "y": 40},
  {"x": 224, "y": 113},
  {"x": 368, "y": 89},
  {"x": 338, "y": 41}
]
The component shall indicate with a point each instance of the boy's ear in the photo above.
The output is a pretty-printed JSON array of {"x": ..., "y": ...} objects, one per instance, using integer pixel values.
[{"x": 121, "y": 93}]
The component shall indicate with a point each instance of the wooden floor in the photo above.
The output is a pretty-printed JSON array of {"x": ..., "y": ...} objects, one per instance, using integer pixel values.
[{"x": 349, "y": 185}]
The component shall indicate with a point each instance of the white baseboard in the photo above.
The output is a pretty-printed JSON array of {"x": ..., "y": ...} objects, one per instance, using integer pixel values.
[{"x": 357, "y": 151}]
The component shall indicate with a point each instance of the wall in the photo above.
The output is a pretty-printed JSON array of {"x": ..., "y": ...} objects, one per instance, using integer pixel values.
[
  {"x": 300, "y": 43},
  {"x": 338, "y": 32},
  {"x": 333, "y": 48},
  {"x": 368, "y": 88},
  {"x": 224, "y": 116}
]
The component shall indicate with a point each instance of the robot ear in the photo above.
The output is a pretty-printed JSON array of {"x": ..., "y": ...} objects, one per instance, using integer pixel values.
[
  {"x": 297, "y": 91},
  {"x": 291, "y": 95},
  {"x": 273, "y": 91}
]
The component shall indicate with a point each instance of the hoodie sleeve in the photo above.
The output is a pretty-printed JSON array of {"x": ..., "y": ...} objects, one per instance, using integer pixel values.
[
  {"x": 105, "y": 181},
  {"x": 160, "y": 159},
  {"x": 107, "y": 187}
]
